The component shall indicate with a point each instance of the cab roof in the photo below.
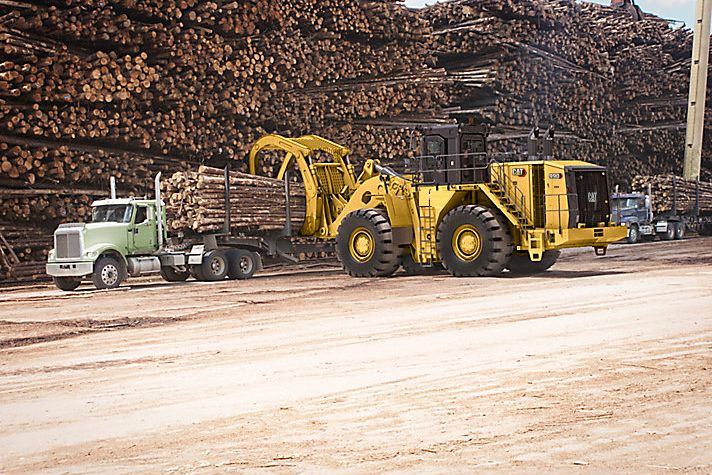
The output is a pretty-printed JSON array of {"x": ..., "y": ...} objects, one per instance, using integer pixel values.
[{"x": 121, "y": 201}]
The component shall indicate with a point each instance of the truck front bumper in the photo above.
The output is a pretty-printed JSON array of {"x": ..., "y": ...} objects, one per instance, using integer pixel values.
[{"x": 70, "y": 269}]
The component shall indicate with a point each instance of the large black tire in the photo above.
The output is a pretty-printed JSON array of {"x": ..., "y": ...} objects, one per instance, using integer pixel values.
[
  {"x": 679, "y": 231},
  {"x": 668, "y": 235},
  {"x": 473, "y": 241},
  {"x": 67, "y": 283},
  {"x": 215, "y": 266},
  {"x": 410, "y": 267},
  {"x": 633, "y": 234},
  {"x": 364, "y": 245},
  {"x": 242, "y": 264},
  {"x": 521, "y": 264},
  {"x": 108, "y": 273},
  {"x": 170, "y": 274},
  {"x": 196, "y": 272}
]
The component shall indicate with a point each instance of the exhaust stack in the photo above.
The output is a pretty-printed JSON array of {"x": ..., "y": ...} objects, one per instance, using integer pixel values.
[
  {"x": 159, "y": 210},
  {"x": 112, "y": 185}
]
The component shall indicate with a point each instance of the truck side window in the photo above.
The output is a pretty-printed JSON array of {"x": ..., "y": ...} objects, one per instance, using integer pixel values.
[
  {"x": 641, "y": 204},
  {"x": 141, "y": 215}
]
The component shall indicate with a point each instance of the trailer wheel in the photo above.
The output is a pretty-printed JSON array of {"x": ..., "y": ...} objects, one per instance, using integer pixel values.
[
  {"x": 67, "y": 283},
  {"x": 521, "y": 264},
  {"x": 364, "y": 244},
  {"x": 473, "y": 241},
  {"x": 669, "y": 234},
  {"x": 214, "y": 266},
  {"x": 679, "y": 230},
  {"x": 170, "y": 274},
  {"x": 242, "y": 264},
  {"x": 108, "y": 273},
  {"x": 633, "y": 234}
]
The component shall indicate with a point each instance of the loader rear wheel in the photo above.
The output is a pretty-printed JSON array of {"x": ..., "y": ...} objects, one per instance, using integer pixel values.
[
  {"x": 364, "y": 245},
  {"x": 473, "y": 241},
  {"x": 521, "y": 264}
]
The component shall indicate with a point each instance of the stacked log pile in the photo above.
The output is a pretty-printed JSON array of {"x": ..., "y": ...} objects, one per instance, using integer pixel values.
[
  {"x": 90, "y": 89},
  {"x": 670, "y": 192},
  {"x": 23, "y": 252},
  {"x": 196, "y": 202}
]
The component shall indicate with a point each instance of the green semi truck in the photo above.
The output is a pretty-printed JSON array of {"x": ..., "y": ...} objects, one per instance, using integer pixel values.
[{"x": 129, "y": 237}]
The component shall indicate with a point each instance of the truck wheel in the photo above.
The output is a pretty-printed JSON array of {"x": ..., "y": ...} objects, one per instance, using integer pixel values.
[
  {"x": 473, "y": 241},
  {"x": 679, "y": 230},
  {"x": 521, "y": 264},
  {"x": 170, "y": 274},
  {"x": 108, "y": 273},
  {"x": 214, "y": 266},
  {"x": 364, "y": 244},
  {"x": 633, "y": 234},
  {"x": 196, "y": 272},
  {"x": 242, "y": 264},
  {"x": 67, "y": 283},
  {"x": 669, "y": 234}
]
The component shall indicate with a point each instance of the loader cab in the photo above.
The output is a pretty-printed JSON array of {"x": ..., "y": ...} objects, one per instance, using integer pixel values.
[{"x": 453, "y": 154}]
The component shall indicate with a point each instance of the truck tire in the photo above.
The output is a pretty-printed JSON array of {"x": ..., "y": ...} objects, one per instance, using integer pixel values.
[
  {"x": 196, "y": 272},
  {"x": 67, "y": 283},
  {"x": 521, "y": 264},
  {"x": 242, "y": 264},
  {"x": 108, "y": 273},
  {"x": 633, "y": 234},
  {"x": 679, "y": 231},
  {"x": 364, "y": 244},
  {"x": 170, "y": 274},
  {"x": 214, "y": 266},
  {"x": 474, "y": 241},
  {"x": 669, "y": 234}
]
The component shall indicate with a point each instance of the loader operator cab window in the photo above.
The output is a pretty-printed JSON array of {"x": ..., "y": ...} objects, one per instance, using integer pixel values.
[
  {"x": 112, "y": 214},
  {"x": 435, "y": 145}
]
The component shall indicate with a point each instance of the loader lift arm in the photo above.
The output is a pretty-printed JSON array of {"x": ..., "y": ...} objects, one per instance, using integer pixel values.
[{"x": 328, "y": 186}]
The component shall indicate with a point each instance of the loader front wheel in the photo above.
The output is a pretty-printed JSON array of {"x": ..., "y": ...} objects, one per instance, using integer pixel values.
[
  {"x": 364, "y": 245},
  {"x": 473, "y": 241}
]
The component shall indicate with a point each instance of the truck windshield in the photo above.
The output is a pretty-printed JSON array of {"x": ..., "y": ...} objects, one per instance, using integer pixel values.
[
  {"x": 112, "y": 214},
  {"x": 624, "y": 203}
]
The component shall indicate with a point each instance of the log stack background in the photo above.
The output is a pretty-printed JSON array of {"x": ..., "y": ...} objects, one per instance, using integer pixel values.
[{"x": 94, "y": 88}]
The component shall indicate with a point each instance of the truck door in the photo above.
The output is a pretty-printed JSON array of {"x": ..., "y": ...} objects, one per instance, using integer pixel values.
[{"x": 142, "y": 234}]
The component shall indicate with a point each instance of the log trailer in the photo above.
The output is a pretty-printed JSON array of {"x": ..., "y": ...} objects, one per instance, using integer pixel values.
[
  {"x": 455, "y": 207},
  {"x": 635, "y": 211}
]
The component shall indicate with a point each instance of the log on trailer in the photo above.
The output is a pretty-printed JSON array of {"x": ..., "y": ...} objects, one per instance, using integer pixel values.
[
  {"x": 196, "y": 202},
  {"x": 672, "y": 193}
]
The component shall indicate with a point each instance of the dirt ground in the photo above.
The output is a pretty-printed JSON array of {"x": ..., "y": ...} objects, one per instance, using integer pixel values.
[{"x": 601, "y": 365}]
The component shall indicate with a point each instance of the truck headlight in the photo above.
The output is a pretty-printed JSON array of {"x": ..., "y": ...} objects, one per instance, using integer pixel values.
[
  {"x": 90, "y": 254},
  {"x": 51, "y": 254}
]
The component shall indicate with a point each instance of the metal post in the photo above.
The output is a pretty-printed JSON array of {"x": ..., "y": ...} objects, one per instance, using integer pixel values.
[
  {"x": 674, "y": 194},
  {"x": 227, "y": 225},
  {"x": 288, "y": 211},
  {"x": 698, "y": 90}
]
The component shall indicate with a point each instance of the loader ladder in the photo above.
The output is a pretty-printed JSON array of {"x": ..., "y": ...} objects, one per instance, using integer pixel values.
[
  {"x": 427, "y": 235},
  {"x": 514, "y": 200}
]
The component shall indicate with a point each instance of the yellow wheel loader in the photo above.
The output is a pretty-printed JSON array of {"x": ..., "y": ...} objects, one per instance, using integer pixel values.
[{"x": 456, "y": 206}]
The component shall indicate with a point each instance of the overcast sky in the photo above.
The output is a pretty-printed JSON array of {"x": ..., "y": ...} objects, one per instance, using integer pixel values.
[{"x": 672, "y": 9}]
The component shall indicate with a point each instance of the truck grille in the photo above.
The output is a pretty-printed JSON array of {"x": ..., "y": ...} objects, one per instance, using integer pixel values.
[{"x": 68, "y": 245}]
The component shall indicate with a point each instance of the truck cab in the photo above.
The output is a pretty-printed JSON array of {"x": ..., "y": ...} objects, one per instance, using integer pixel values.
[
  {"x": 121, "y": 239},
  {"x": 635, "y": 210}
]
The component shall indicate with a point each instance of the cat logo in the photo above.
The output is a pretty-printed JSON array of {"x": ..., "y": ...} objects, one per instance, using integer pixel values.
[
  {"x": 592, "y": 196},
  {"x": 519, "y": 171}
]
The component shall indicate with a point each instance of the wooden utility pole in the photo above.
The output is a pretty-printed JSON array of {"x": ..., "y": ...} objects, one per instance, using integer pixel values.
[{"x": 698, "y": 90}]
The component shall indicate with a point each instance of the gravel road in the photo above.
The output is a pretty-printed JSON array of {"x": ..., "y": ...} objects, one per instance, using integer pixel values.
[{"x": 600, "y": 365}]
